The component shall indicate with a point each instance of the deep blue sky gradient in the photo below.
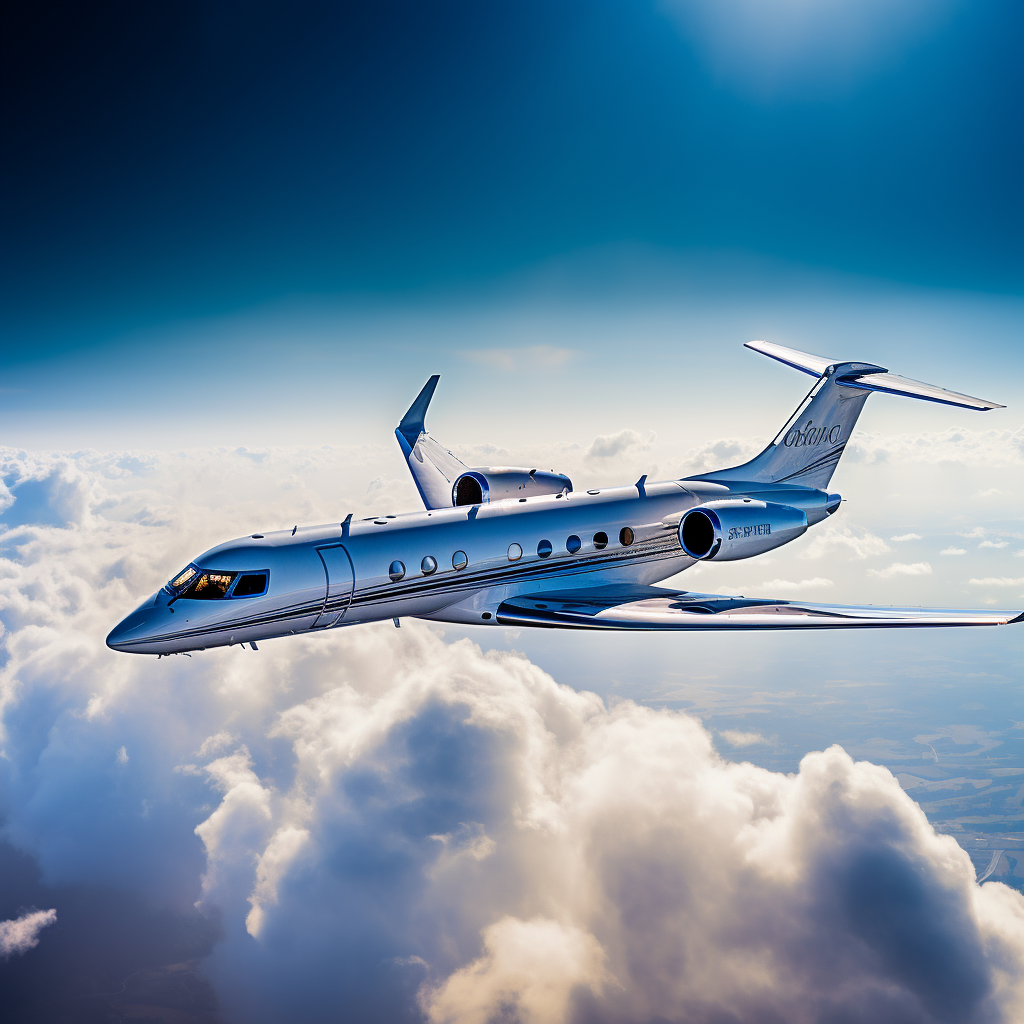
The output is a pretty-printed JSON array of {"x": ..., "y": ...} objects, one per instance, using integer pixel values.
[{"x": 163, "y": 161}]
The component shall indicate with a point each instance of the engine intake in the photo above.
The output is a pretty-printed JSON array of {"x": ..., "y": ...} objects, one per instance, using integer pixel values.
[
  {"x": 724, "y": 531},
  {"x": 477, "y": 486}
]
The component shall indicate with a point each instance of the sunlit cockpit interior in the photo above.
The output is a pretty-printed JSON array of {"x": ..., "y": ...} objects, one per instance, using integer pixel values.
[
  {"x": 193, "y": 583},
  {"x": 181, "y": 580}
]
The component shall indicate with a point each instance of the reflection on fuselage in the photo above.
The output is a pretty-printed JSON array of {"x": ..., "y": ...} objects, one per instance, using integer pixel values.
[{"x": 455, "y": 564}]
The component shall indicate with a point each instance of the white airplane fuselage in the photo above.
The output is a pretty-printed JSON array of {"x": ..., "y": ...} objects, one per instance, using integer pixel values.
[
  {"x": 324, "y": 577},
  {"x": 518, "y": 546}
]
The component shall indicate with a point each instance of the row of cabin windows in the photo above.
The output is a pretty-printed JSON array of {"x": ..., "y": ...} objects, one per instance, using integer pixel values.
[
  {"x": 572, "y": 544},
  {"x": 396, "y": 571},
  {"x": 428, "y": 566}
]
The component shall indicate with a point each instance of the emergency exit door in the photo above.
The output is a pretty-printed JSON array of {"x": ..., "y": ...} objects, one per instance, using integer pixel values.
[{"x": 340, "y": 581}]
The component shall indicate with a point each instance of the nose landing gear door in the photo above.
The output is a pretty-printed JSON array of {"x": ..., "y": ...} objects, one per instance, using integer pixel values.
[{"x": 340, "y": 580}]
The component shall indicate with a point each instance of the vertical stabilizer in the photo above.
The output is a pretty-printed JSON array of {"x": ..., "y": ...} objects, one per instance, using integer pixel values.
[{"x": 808, "y": 448}]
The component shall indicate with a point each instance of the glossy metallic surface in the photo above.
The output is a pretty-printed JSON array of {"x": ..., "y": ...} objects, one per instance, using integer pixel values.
[{"x": 558, "y": 558}]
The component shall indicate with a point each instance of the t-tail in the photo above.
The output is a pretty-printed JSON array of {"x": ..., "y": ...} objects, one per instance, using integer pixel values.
[{"x": 809, "y": 446}]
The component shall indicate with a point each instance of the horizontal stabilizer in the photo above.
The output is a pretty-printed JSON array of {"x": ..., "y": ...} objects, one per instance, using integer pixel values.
[
  {"x": 814, "y": 365},
  {"x": 868, "y": 377},
  {"x": 654, "y": 608},
  {"x": 893, "y": 384}
]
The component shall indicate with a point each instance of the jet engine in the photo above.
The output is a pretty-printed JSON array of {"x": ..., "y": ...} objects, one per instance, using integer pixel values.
[
  {"x": 724, "y": 531},
  {"x": 493, "y": 483}
]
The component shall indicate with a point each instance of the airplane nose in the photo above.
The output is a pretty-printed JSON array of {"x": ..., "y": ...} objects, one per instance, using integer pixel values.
[{"x": 129, "y": 630}]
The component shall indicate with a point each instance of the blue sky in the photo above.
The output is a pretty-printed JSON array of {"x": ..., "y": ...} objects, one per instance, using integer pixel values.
[
  {"x": 169, "y": 163},
  {"x": 236, "y": 239}
]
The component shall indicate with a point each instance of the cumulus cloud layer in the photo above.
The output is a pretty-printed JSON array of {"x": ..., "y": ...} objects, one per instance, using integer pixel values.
[
  {"x": 902, "y": 569},
  {"x": 22, "y": 933},
  {"x": 409, "y": 828},
  {"x": 499, "y": 841},
  {"x": 608, "y": 446}
]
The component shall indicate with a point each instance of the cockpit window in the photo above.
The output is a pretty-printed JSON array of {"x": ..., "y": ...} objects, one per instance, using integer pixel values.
[
  {"x": 183, "y": 578},
  {"x": 210, "y": 586},
  {"x": 250, "y": 584}
]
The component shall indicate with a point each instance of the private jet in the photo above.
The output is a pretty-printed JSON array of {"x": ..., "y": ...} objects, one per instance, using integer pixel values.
[{"x": 506, "y": 546}]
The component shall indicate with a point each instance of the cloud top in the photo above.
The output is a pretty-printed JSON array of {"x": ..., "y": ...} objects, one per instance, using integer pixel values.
[{"x": 406, "y": 825}]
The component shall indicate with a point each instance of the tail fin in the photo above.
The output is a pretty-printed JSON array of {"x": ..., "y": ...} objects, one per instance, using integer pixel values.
[{"x": 809, "y": 446}]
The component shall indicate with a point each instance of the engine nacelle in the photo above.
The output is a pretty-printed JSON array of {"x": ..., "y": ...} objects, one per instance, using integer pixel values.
[
  {"x": 724, "y": 531},
  {"x": 492, "y": 483}
]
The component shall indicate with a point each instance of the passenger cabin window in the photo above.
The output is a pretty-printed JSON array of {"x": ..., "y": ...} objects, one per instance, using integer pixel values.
[
  {"x": 460, "y": 560},
  {"x": 600, "y": 540},
  {"x": 573, "y": 544},
  {"x": 625, "y": 536},
  {"x": 211, "y": 586},
  {"x": 250, "y": 584},
  {"x": 515, "y": 552},
  {"x": 544, "y": 548},
  {"x": 428, "y": 566},
  {"x": 396, "y": 570}
]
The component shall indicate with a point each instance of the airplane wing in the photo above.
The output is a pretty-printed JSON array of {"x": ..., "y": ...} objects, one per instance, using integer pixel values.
[{"x": 640, "y": 607}]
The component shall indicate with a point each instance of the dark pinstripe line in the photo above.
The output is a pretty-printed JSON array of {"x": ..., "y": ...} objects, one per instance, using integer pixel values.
[
  {"x": 497, "y": 576},
  {"x": 821, "y": 463}
]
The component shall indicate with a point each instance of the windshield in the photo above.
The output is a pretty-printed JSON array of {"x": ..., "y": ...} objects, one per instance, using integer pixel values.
[
  {"x": 210, "y": 586},
  {"x": 182, "y": 580},
  {"x": 195, "y": 583}
]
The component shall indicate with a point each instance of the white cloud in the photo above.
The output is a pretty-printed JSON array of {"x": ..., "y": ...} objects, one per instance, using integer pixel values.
[
  {"x": 994, "y": 544},
  {"x": 728, "y": 451},
  {"x": 998, "y": 581},
  {"x": 902, "y": 569},
  {"x": 545, "y": 357},
  {"x": 905, "y": 536},
  {"x": 786, "y": 586},
  {"x": 953, "y": 551},
  {"x": 22, "y": 933},
  {"x": 610, "y": 445},
  {"x": 829, "y": 540},
  {"x": 737, "y": 738},
  {"x": 404, "y": 824},
  {"x": 976, "y": 531},
  {"x": 995, "y": 448},
  {"x": 122, "y": 755},
  {"x": 529, "y": 970},
  {"x": 217, "y": 744},
  {"x": 285, "y": 845}
]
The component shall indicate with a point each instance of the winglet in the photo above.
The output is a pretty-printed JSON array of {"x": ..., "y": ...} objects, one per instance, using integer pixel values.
[
  {"x": 412, "y": 422},
  {"x": 434, "y": 469}
]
